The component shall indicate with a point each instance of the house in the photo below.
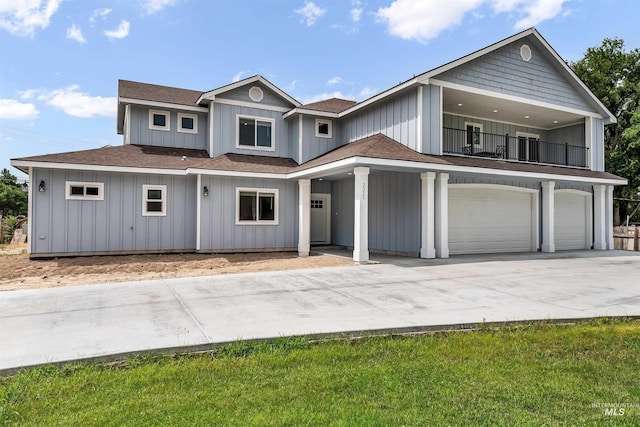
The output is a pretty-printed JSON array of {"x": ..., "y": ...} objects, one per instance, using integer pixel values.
[{"x": 499, "y": 151}]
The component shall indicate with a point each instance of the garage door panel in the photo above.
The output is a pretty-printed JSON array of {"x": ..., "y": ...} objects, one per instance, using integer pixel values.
[
  {"x": 571, "y": 221},
  {"x": 489, "y": 220}
]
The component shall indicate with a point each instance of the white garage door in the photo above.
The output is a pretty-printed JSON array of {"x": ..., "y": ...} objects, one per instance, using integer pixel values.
[
  {"x": 488, "y": 220},
  {"x": 572, "y": 220}
]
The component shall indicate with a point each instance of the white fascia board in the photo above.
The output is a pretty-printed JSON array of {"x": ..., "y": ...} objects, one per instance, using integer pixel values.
[
  {"x": 351, "y": 161},
  {"x": 216, "y": 172},
  {"x": 162, "y": 104},
  {"x": 97, "y": 168},
  {"x": 251, "y": 105},
  {"x": 316, "y": 113},
  {"x": 484, "y": 92},
  {"x": 257, "y": 78}
]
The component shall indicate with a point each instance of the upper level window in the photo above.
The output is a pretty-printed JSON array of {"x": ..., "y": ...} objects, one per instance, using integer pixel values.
[
  {"x": 323, "y": 128},
  {"x": 256, "y": 206},
  {"x": 154, "y": 200},
  {"x": 159, "y": 120},
  {"x": 187, "y": 123},
  {"x": 255, "y": 132},
  {"x": 84, "y": 190}
]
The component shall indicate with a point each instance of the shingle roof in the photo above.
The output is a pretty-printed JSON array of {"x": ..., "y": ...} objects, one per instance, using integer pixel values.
[
  {"x": 333, "y": 105},
  {"x": 377, "y": 147},
  {"x": 150, "y": 92}
]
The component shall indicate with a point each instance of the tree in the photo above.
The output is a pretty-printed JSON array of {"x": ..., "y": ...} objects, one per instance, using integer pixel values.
[
  {"x": 613, "y": 75},
  {"x": 13, "y": 201}
]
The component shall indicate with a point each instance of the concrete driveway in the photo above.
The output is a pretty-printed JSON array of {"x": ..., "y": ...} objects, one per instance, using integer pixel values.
[{"x": 112, "y": 320}]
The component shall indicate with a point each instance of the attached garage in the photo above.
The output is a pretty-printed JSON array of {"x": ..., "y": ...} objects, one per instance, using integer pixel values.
[
  {"x": 492, "y": 218},
  {"x": 572, "y": 220}
]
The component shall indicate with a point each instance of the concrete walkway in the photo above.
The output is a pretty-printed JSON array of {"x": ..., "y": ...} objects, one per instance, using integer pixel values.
[{"x": 104, "y": 321}]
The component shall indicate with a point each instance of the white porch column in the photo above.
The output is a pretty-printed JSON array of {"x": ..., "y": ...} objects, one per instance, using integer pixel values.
[
  {"x": 548, "y": 217},
  {"x": 442, "y": 215},
  {"x": 304, "y": 219},
  {"x": 599, "y": 218},
  {"x": 361, "y": 215},
  {"x": 427, "y": 215},
  {"x": 609, "y": 216}
]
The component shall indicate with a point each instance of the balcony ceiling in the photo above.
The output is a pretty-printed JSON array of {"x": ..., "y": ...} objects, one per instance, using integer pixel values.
[{"x": 479, "y": 106}]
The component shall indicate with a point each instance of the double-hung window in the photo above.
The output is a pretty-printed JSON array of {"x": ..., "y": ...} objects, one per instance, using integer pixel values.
[
  {"x": 154, "y": 200},
  {"x": 255, "y": 132},
  {"x": 256, "y": 206},
  {"x": 84, "y": 190}
]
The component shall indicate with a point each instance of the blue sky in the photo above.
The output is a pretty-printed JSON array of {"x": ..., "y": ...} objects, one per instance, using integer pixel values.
[{"x": 60, "y": 60}]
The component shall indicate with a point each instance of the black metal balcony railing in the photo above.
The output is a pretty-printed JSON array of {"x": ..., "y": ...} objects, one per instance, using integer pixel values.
[{"x": 518, "y": 148}]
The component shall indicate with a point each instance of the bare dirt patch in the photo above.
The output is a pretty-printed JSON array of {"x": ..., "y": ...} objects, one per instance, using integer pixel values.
[{"x": 17, "y": 271}]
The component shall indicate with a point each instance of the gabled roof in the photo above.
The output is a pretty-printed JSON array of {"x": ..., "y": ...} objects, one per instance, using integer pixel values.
[
  {"x": 332, "y": 105},
  {"x": 424, "y": 77},
  {"x": 207, "y": 96}
]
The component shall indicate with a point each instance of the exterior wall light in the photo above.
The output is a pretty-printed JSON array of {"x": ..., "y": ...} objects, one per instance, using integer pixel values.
[
  {"x": 205, "y": 191},
  {"x": 42, "y": 187}
]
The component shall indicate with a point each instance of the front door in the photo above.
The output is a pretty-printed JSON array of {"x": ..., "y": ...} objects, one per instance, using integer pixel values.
[{"x": 320, "y": 219}]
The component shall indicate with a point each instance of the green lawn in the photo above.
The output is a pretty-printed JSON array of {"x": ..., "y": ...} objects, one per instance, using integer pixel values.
[{"x": 532, "y": 375}]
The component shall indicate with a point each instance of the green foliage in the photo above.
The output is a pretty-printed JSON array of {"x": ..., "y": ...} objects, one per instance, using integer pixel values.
[
  {"x": 13, "y": 201},
  {"x": 613, "y": 75},
  {"x": 7, "y": 228},
  {"x": 538, "y": 374}
]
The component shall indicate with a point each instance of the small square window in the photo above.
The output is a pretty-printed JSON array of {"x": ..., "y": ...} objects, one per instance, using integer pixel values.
[
  {"x": 159, "y": 120},
  {"x": 323, "y": 128},
  {"x": 154, "y": 201},
  {"x": 187, "y": 123}
]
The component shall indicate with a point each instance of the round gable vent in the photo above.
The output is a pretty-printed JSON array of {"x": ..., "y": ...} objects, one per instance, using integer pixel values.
[
  {"x": 525, "y": 52},
  {"x": 256, "y": 94}
]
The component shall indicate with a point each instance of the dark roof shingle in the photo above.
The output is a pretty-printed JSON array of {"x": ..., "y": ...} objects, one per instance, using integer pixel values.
[
  {"x": 333, "y": 105},
  {"x": 150, "y": 92}
]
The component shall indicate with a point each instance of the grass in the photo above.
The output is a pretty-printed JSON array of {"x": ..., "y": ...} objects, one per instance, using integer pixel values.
[{"x": 533, "y": 375}]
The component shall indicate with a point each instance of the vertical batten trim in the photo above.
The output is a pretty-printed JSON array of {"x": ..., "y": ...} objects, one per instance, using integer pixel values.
[
  {"x": 419, "y": 121},
  {"x": 31, "y": 219},
  {"x": 300, "y": 125},
  {"x": 198, "y": 208},
  {"x": 440, "y": 122},
  {"x": 211, "y": 109}
]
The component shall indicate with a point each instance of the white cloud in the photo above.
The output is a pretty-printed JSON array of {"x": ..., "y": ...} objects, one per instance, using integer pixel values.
[
  {"x": 310, "y": 12},
  {"x": 23, "y": 18},
  {"x": 356, "y": 10},
  {"x": 99, "y": 13},
  {"x": 15, "y": 110},
  {"x": 119, "y": 33},
  {"x": 75, "y": 33},
  {"x": 238, "y": 76},
  {"x": 334, "y": 81},
  {"x": 423, "y": 21},
  {"x": 78, "y": 104},
  {"x": 291, "y": 86},
  {"x": 153, "y": 6},
  {"x": 366, "y": 93}
]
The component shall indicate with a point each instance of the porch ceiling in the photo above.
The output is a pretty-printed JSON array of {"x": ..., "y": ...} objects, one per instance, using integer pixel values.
[{"x": 479, "y": 106}]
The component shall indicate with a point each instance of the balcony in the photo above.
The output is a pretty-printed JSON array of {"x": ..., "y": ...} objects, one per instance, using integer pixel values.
[{"x": 514, "y": 148}]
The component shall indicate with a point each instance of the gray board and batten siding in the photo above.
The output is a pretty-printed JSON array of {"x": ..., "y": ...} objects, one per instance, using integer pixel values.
[
  {"x": 219, "y": 231},
  {"x": 141, "y": 134},
  {"x": 225, "y": 128},
  {"x": 432, "y": 120},
  {"x": 504, "y": 71},
  {"x": 115, "y": 224},
  {"x": 312, "y": 145}
]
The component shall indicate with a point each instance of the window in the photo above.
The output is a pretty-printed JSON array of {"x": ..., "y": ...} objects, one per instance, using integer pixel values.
[
  {"x": 187, "y": 123},
  {"x": 323, "y": 128},
  {"x": 255, "y": 132},
  {"x": 159, "y": 120},
  {"x": 474, "y": 135},
  {"x": 154, "y": 200},
  {"x": 528, "y": 146},
  {"x": 84, "y": 190},
  {"x": 256, "y": 206}
]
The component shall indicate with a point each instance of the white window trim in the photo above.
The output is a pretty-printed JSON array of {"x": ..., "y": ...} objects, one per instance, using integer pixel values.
[
  {"x": 168, "y": 121},
  {"x": 194, "y": 117},
  {"x": 162, "y": 188},
  {"x": 479, "y": 125},
  {"x": 69, "y": 196},
  {"x": 255, "y": 147},
  {"x": 528, "y": 135},
  {"x": 273, "y": 191},
  {"x": 322, "y": 122}
]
